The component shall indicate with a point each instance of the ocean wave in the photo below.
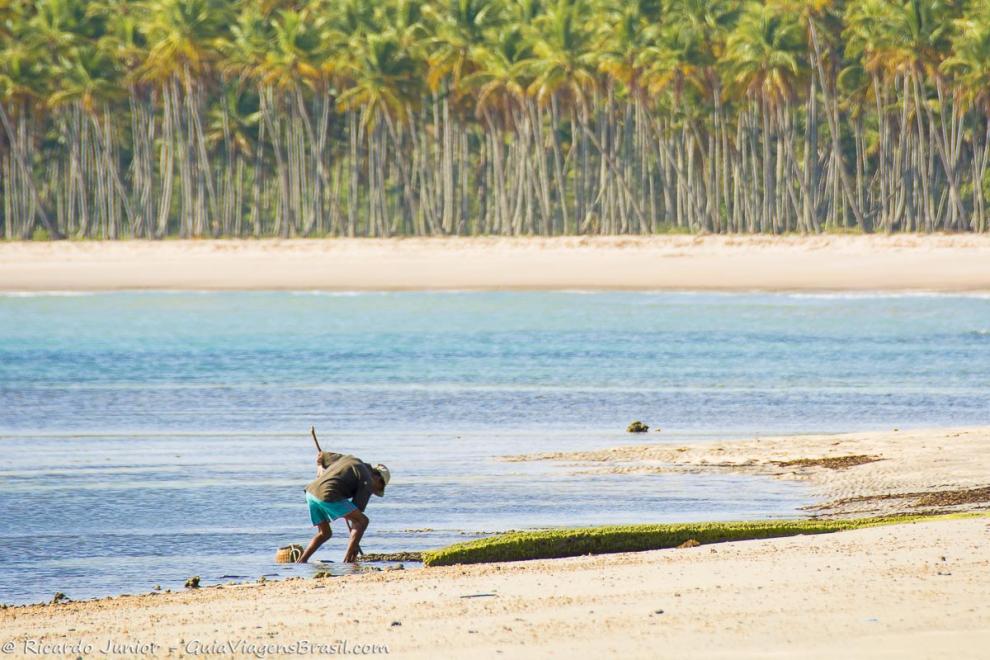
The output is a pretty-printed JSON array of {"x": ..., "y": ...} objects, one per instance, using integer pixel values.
[
  {"x": 45, "y": 294},
  {"x": 380, "y": 292},
  {"x": 337, "y": 294},
  {"x": 885, "y": 295}
]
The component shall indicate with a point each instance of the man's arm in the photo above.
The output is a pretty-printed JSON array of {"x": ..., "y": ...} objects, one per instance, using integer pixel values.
[{"x": 359, "y": 523}]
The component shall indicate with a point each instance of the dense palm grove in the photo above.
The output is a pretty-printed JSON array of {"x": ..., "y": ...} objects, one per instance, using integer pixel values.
[{"x": 518, "y": 117}]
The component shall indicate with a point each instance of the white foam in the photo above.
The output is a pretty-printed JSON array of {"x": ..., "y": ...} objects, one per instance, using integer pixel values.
[
  {"x": 45, "y": 294},
  {"x": 885, "y": 295},
  {"x": 337, "y": 294}
]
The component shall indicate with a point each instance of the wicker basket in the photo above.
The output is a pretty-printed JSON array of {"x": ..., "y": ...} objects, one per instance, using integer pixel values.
[{"x": 288, "y": 554}]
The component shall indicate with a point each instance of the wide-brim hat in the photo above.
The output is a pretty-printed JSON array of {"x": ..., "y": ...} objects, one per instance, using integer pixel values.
[{"x": 386, "y": 477}]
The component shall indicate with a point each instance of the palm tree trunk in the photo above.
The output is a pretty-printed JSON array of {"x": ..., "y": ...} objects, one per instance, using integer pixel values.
[
  {"x": 17, "y": 150},
  {"x": 832, "y": 114}
]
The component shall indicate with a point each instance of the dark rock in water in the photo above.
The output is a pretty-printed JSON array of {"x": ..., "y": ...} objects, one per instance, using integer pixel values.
[
  {"x": 319, "y": 575},
  {"x": 637, "y": 427},
  {"x": 59, "y": 598},
  {"x": 193, "y": 582}
]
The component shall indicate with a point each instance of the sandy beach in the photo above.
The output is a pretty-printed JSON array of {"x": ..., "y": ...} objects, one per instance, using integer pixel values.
[
  {"x": 908, "y": 591},
  {"x": 853, "y": 474},
  {"x": 914, "y": 590},
  {"x": 904, "y": 591},
  {"x": 722, "y": 263}
]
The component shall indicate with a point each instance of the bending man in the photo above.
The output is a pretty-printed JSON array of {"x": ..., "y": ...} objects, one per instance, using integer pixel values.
[{"x": 342, "y": 488}]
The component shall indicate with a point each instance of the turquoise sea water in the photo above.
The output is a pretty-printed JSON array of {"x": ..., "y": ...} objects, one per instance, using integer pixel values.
[{"x": 147, "y": 437}]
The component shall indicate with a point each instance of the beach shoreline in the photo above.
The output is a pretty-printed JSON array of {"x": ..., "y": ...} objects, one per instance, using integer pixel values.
[
  {"x": 820, "y": 263},
  {"x": 905, "y": 590},
  {"x": 908, "y": 590},
  {"x": 865, "y": 474}
]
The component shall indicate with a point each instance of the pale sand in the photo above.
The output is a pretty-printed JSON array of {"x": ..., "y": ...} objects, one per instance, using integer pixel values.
[
  {"x": 730, "y": 263},
  {"x": 904, "y": 591},
  {"x": 907, "y": 591},
  {"x": 912, "y": 465}
]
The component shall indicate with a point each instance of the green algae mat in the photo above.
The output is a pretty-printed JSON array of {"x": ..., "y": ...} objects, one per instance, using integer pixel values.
[{"x": 555, "y": 543}]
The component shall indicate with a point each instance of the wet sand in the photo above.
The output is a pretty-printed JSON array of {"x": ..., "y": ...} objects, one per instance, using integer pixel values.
[
  {"x": 915, "y": 590},
  {"x": 720, "y": 263},
  {"x": 853, "y": 474},
  {"x": 906, "y": 591}
]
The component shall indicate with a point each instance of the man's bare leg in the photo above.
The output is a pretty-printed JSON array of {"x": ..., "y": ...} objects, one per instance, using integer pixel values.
[
  {"x": 323, "y": 534},
  {"x": 358, "y": 523}
]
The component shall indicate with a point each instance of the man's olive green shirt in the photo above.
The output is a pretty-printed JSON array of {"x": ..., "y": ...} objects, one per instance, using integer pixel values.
[{"x": 344, "y": 478}]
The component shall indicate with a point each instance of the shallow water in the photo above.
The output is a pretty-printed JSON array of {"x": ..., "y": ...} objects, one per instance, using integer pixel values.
[{"x": 148, "y": 437}]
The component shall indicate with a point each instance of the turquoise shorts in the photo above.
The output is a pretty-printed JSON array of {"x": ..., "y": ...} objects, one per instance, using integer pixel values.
[{"x": 320, "y": 511}]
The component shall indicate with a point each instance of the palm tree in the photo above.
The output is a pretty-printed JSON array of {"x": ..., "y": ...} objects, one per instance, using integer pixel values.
[
  {"x": 290, "y": 68},
  {"x": 564, "y": 72},
  {"x": 765, "y": 53},
  {"x": 681, "y": 68},
  {"x": 627, "y": 32},
  {"x": 970, "y": 67},
  {"x": 24, "y": 70},
  {"x": 186, "y": 39},
  {"x": 458, "y": 28},
  {"x": 908, "y": 40},
  {"x": 381, "y": 117},
  {"x": 765, "y": 59},
  {"x": 89, "y": 79},
  {"x": 499, "y": 88},
  {"x": 383, "y": 77},
  {"x": 242, "y": 56}
]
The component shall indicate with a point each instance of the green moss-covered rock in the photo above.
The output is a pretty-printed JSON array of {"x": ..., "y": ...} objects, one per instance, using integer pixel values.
[
  {"x": 637, "y": 427},
  {"x": 552, "y": 543}
]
